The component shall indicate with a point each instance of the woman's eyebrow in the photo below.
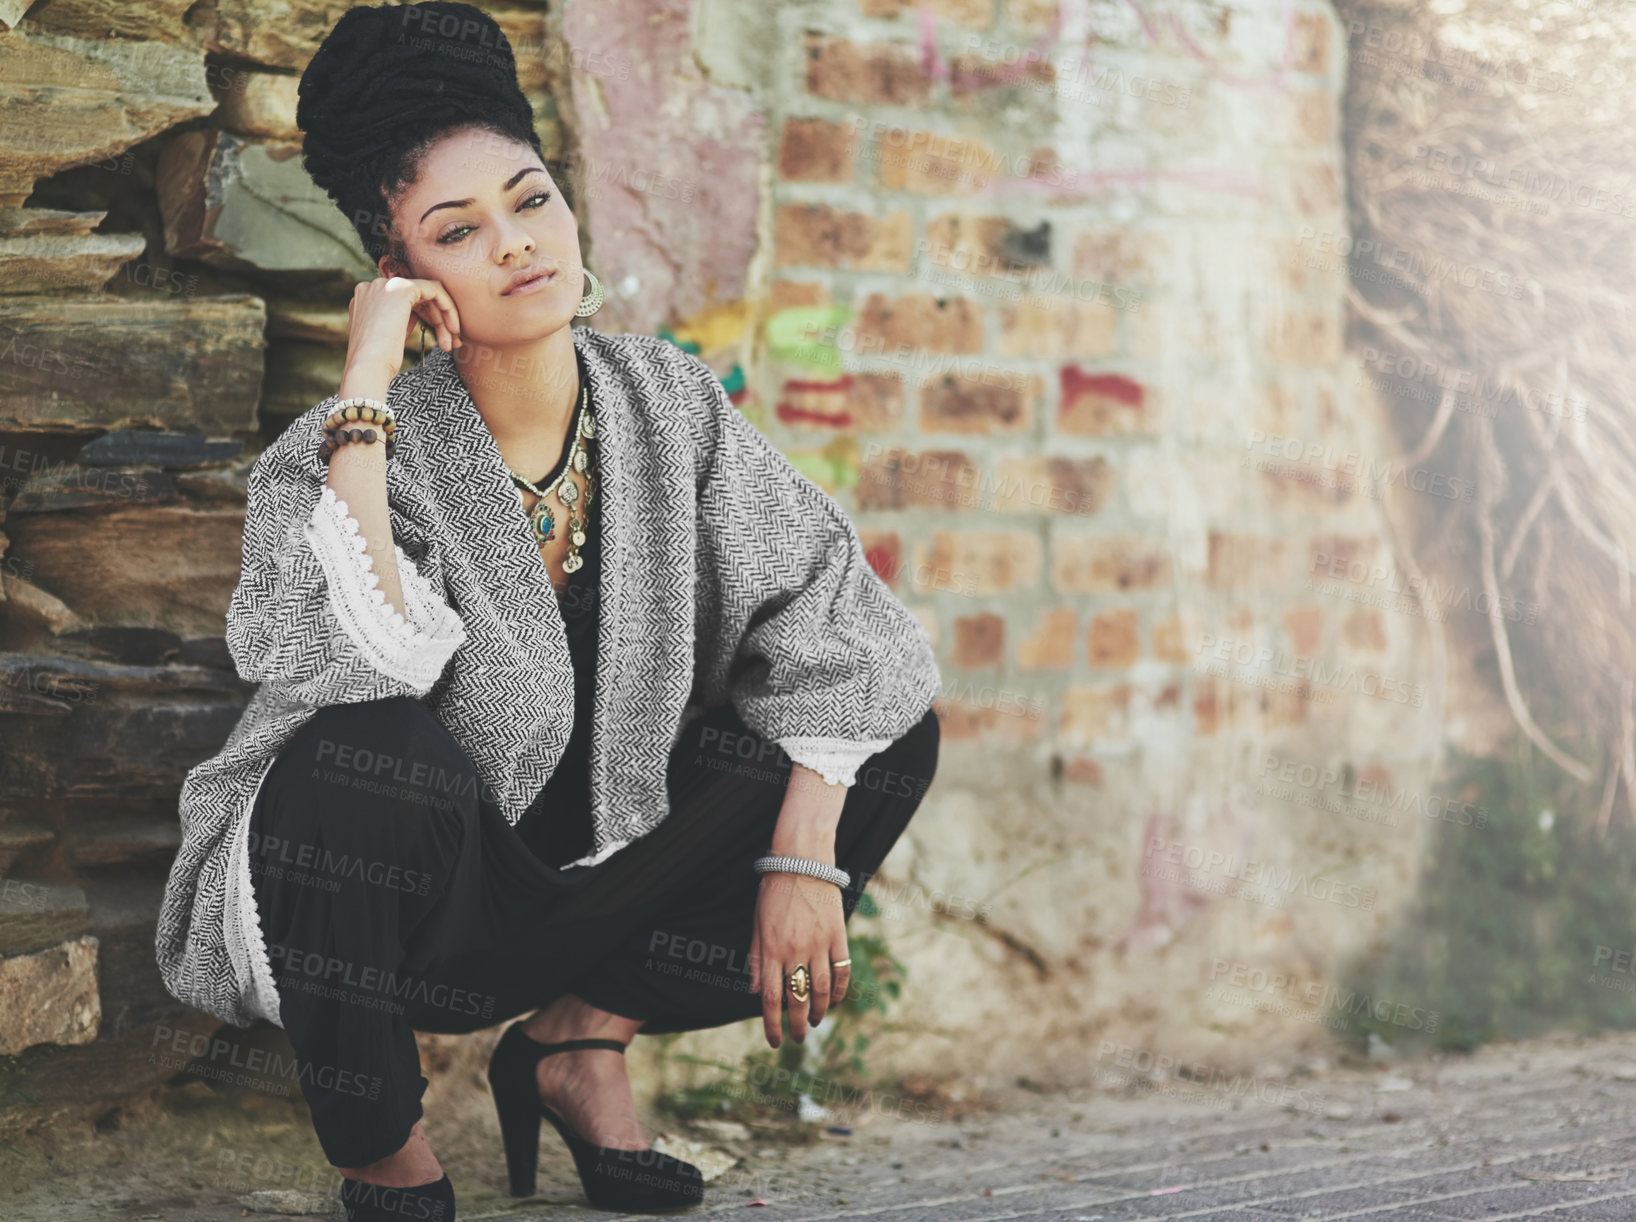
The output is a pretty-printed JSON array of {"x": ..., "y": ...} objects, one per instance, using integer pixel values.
[{"x": 461, "y": 203}]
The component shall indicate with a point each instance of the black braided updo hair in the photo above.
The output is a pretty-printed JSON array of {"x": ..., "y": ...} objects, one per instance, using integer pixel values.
[{"x": 386, "y": 83}]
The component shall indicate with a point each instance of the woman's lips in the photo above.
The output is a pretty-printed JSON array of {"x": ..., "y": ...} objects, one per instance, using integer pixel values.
[{"x": 528, "y": 286}]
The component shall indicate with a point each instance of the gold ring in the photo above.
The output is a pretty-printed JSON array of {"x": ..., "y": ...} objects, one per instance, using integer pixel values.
[
  {"x": 798, "y": 982},
  {"x": 840, "y": 963}
]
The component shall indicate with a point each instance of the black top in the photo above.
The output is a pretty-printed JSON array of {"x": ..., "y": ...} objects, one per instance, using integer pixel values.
[{"x": 557, "y": 824}]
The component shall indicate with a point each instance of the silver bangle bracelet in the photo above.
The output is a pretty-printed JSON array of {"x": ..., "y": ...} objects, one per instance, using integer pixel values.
[{"x": 800, "y": 865}]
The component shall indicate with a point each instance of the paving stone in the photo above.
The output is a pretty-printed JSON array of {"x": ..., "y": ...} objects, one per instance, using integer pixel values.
[
  {"x": 1515, "y": 1198},
  {"x": 1339, "y": 1200},
  {"x": 1619, "y": 1209}
]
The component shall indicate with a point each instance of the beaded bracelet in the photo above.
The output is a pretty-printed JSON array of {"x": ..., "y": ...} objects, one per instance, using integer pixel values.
[
  {"x": 371, "y": 411},
  {"x": 341, "y": 437}
]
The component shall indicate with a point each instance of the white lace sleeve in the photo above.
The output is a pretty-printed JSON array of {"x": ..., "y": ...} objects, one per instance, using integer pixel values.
[
  {"x": 836, "y": 759},
  {"x": 413, "y": 650}
]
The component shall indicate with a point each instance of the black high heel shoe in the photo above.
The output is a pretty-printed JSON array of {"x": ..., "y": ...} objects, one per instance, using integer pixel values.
[
  {"x": 627, "y": 1181},
  {"x": 432, "y": 1202}
]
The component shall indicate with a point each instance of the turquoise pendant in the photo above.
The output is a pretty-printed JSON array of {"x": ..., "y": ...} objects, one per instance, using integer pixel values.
[{"x": 545, "y": 523}]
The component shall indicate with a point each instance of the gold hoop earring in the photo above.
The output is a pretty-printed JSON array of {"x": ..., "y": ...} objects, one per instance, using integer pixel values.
[{"x": 591, "y": 302}]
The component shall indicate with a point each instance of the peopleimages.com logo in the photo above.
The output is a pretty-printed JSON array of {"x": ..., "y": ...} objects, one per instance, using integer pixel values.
[
  {"x": 1266, "y": 877},
  {"x": 1251, "y": 658}
]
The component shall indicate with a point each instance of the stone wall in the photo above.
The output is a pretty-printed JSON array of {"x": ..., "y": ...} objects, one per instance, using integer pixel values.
[
  {"x": 174, "y": 292},
  {"x": 1054, "y": 309}
]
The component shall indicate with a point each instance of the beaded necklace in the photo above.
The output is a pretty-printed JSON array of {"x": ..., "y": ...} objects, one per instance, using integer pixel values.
[{"x": 577, "y": 457}]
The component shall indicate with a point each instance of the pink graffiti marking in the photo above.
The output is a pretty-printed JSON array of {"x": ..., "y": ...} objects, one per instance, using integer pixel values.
[
  {"x": 1273, "y": 80},
  {"x": 1096, "y": 181},
  {"x": 935, "y": 66}
]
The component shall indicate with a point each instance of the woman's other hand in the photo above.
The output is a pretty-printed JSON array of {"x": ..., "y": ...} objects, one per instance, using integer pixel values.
[{"x": 799, "y": 920}]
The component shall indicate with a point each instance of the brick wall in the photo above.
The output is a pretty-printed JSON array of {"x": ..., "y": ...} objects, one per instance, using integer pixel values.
[{"x": 1058, "y": 317}]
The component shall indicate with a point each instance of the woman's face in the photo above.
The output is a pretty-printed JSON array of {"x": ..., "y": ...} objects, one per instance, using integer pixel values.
[{"x": 483, "y": 209}]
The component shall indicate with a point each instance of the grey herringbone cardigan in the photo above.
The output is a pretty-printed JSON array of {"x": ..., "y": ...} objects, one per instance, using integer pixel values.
[{"x": 727, "y": 575}]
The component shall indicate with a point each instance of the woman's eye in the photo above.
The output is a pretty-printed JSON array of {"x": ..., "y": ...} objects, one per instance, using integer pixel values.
[{"x": 460, "y": 231}]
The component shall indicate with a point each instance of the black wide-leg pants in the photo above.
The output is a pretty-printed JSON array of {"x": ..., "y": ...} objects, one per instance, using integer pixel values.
[{"x": 393, "y": 897}]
